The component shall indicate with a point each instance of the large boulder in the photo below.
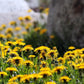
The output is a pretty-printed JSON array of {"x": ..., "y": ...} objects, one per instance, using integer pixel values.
[{"x": 66, "y": 18}]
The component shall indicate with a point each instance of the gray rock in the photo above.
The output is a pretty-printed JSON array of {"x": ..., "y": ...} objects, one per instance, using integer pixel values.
[{"x": 66, "y": 18}]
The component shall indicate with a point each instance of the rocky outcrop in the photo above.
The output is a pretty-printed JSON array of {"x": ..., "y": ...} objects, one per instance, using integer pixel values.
[{"x": 66, "y": 18}]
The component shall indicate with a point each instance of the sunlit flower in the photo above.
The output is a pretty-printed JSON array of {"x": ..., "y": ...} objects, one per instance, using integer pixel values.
[
  {"x": 22, "y": 24},
  {"x": 12, "y": 79},
  {"x": 61, "y": 60},
  {"x": 43, "y": 64},
  {"x": 43, "y": 31},
  {"x": 9, "y": 30},
  {"x": 16, "y": 49},
  {"x": 27, "y": 48},
  {"x": 17, "y": 28},
  {"x": 2, "y": 36},
  {"x": 52, "y": 36},
  {"x": 2, "y": 74},
  {"x": 29, "y": 10},
  {"x": 1, "y": 29},
  {"x": 70, "y": 57},
  {"x": 80, "y": 60},
  {"x": 71, "y": 48},
  {"x": 31, "y": 56},
  {"x": 19, "y": 77},
  {"x": 24, "y": 33},
  {"x": 13, "y": 54},
  {"x": 50, "y": 82},
  {"x": 81, "y": 66},
  {"x": 10, "y": 43},
  {"x": 72, "y": 64},
  {"x": 19, "y": 43},
  {"x": 8, "y": 36},
  {"x": 46, "y": 11},
  {"x": 11, "y": 69},
  {"x": 58, "y": 69},
  {"x": 20, "y": 18},
  {"x": 52, "y": 53},
  {"x": 37, "y": 29},
  {"x": 27, "y": 27},
  {"x": 28, "y": 18},
  {"x": 20, "y": 40},
  {"x": 9, "y": 60},
  {"x": 13, "y": 23},
  {"x": 64, "y": 79},
  {"x": 45, "y": 74},
  {"x": 42, "y": 48},
  {"x": 67, "y": 53},
  {"x": 28, "y": 63},
  {"x": 36, "y": 76},
  {"x": 45, "y": 69},
  {"x": 82, "y": 56},
  {"x": 26, "y": 78},
  {"x": 17, "y": 60},
  {"x": 43, "y": 55},
  {"x": 3, "y": 26}
]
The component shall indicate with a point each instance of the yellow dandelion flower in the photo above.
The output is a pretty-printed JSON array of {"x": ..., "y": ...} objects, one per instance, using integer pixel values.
[
  {"x": 45, "y": 69},
  {"x": 3, "y": 25},
  {"x": 58, "y": 69},
  {"x": 1, "y": 29},
  {"x": 52, "y": 53},
  {"x": 43, "y": 64},
  {"x": 30, "y": 10},
  {"x": 31, "y": 56},
  {"x": 43, "y": 31},
  {"x": 36, "y": 76},
  {"x": 19, "y": 77},
  {"x": 17, "y": 60},
  {"x": 71, "y": 48},
  {"x": 26, "y": 78},
  {"x": 8, "y": 36},
  {"x": 13, "y": 54},
  {"x": 11, "y": 69},
  {"x": 64, "y": 79},
  {"x": 42, "y": 48},
  {"x": 3, "y": 74},
  {"x": 19, "y": 43},
  {"x": 45, "y": 74},
  {"x": 9, "y": 30},
  {"x": 12, "y": 79},
  {"x": 28, "y": 18},
  {"x": 27, "y": 48},
  {"x": 28, "y": 63},
  {"x": 9, "y": 60},
  {"x": 50, "y": 82},
  {"x": 2, "y": 36},
  {"x": 13, "y": 23},
  {"x": 17, "y": 28},
  {"x": 52, "y": 36},
  {"x": 20, "y": 18},
  {"x": 61, "y": 60},
  {"x": 24, "y": 33},
  {"x": 80, "y": 60},
  {"x": 37, "y": 29}
]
